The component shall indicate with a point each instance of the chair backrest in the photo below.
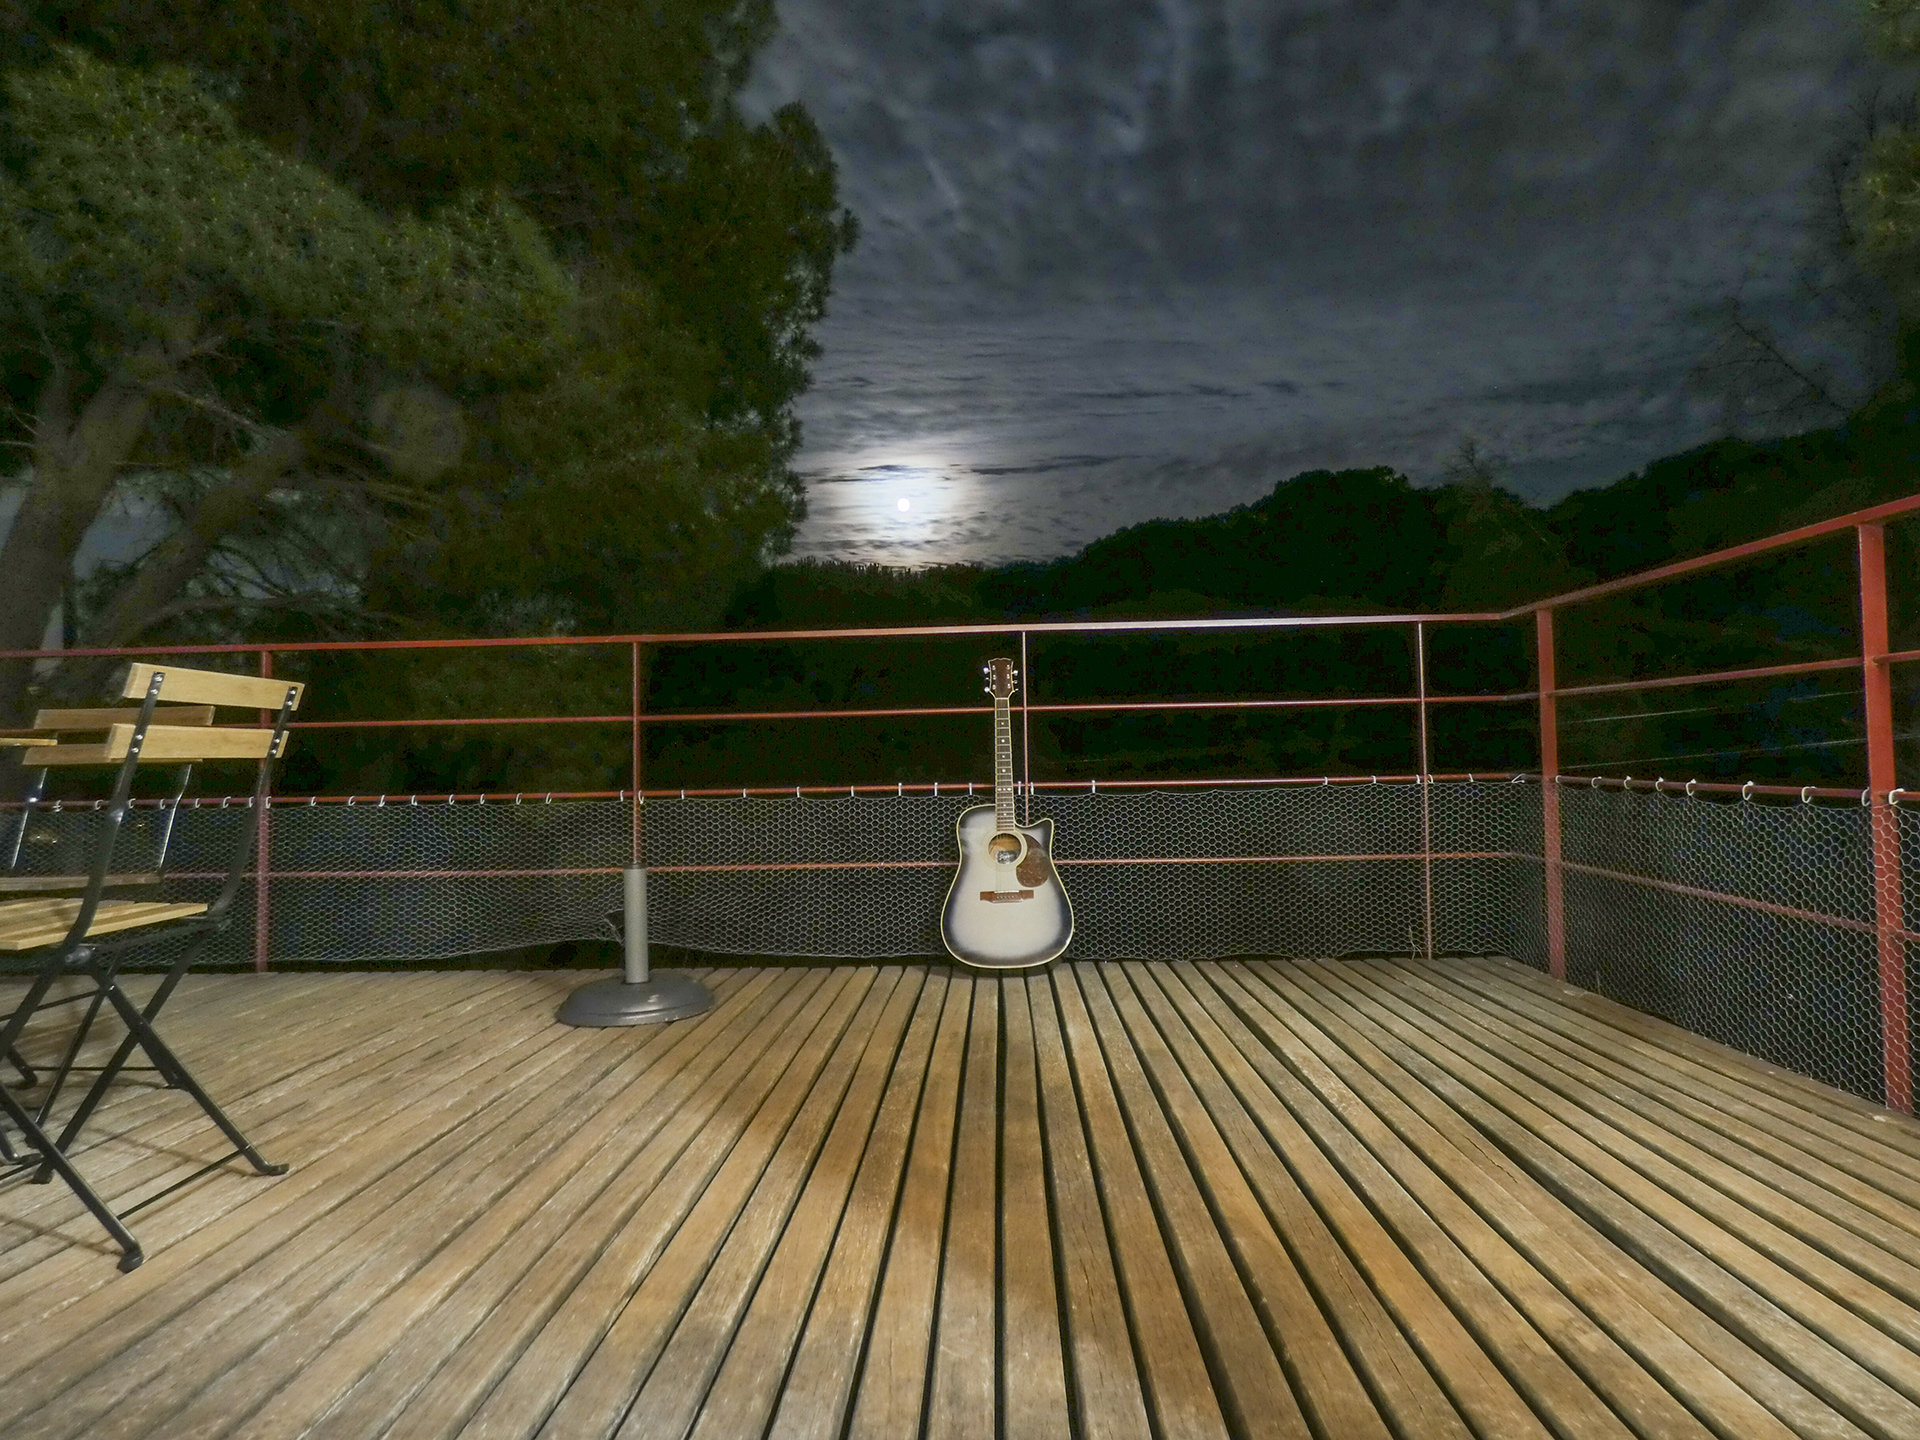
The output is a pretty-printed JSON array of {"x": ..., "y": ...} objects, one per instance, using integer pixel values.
[
  {"x": 181, "y": 686},
  {"x": 181, "y": 733}
]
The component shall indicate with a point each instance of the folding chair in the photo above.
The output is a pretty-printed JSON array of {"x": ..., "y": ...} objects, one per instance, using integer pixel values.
[{"x": 48, "y": 939}]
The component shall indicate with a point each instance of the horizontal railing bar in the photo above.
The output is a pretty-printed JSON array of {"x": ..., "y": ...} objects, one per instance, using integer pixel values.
[
  {"x": 765, "y": 865},
  {"x": 404, "y": 800},
  {"x": 1712, "y": 677},
  {"x": 711, "y": 717},
  {"x": 1891, "y": 510},
  {"x": 1743, "y": 902},
  {"x": 751, "y": 637}
]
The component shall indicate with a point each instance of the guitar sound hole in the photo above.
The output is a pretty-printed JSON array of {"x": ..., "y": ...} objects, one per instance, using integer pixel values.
[{"x": 1004, "y": 847}]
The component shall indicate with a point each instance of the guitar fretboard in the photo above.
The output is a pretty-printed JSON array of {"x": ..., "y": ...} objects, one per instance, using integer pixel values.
[{"x": 1004, "y": 816}]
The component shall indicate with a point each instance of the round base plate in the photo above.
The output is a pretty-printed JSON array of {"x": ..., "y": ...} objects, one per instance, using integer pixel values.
[{"x": 667, "y": 996}]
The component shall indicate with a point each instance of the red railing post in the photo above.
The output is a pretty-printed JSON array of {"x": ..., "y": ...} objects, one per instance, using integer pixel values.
[
  {"x": 1889, "y": 917},
  {"x": 1550, "y": 796},
  {"x": 261, "y": 842},
  {"x": 1426, "y": 778}
]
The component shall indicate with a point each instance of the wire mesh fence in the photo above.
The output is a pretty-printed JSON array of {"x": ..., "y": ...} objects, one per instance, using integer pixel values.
[{"x": 1747, "y": 921}]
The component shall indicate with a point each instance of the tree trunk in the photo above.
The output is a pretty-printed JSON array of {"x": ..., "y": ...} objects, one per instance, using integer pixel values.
[
  {"x": 75, "y": 464},
  {"x": 178, "y": 558}
]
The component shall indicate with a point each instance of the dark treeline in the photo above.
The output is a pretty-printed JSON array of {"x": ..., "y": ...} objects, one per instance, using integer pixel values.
[{"x": 1364, "y": 541}]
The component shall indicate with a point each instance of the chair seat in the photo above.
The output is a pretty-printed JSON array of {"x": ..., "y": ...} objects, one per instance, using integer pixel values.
[
  {"x": 18, "y": 883},
  {"x": 32, "y": 924}
]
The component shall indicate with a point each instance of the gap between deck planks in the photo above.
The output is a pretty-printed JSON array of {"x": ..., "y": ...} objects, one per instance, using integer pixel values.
[{"x": 1313, "y": 1200}]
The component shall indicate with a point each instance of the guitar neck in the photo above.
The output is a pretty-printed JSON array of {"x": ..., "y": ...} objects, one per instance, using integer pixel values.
[{"x": 1004, "y": 815}]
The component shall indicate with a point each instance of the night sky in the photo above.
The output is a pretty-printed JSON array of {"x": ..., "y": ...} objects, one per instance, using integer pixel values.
[{"x": 1124, "y": 259}]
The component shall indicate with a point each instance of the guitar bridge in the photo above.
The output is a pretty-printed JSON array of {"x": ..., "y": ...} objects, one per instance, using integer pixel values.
[{"x": 1005, "y": 897}]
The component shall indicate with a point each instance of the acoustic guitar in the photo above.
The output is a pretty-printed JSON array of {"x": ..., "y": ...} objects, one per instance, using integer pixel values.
[{"x": 1006, "y": 909}]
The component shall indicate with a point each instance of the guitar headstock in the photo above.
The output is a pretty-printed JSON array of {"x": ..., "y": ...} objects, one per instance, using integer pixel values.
[{"x": 1002, "y": 678}]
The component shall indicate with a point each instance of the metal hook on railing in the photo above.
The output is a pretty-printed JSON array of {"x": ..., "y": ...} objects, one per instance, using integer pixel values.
[
  {"x": 516, "y": 798},
  {"x": 969, "y": 787},
  {"x": 1866, "y": 798},
  {"x": 796, "y": 792},
  {"x": 1659, "y": 780},
  {"x": 1593, "y": 783},
  {"x": 224, "y": 799},
  {"x": 743, "y": 792},
  {"x": 899, "y": 789},
  {"x": 1746, "y": 791},
  {"x": 1373, "y": 780},
  {"x": 1469, "y": 777},
  {"x": 312, "y": 800},
  {"x": 1806, "y": 794},
  {"x": 549, "y": 797},
  {"x": 381, "y": 804},
  {"x": 1893, "y": 798},
  {"x": 936, "y": 789},
  {"x": 413, "y": 802},
  {"x": 1093, "y": 786},
  {"x": 483, "y": 797},
  {"x": 350, "y": 800},
  {"x": 1326, "y": 779},
  {"x": 449, "y": 799}
]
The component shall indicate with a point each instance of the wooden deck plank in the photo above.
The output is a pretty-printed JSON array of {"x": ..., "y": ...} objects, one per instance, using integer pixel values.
[
  {"x": 657, "y": 1360},
  {"x": 453, "y": 1286},
  {"x": 1875, "y": 1133},
  {"x": 964, "y": 1380},
  {"x": 1808, "y": 1356},
  {"x": 1844, "y": 1232},
  {"x": 1680, "y": 1346},
  {"x": 747, "y": 1381},
  {"x": 1033, "y": 1376},
  {"x": 890, "y": 1394},
  {"x": 1260, "y": 1131},
  {"x": 1385, "y": 1200},
  {"x": 491, "y": 1315},
  {"x": 1103, "y": 1376},
  {"x": 816, "y": 1399},
  {"x": 184, "y": 1267},
  {"x": 1238, "y": 1338},
  {"x": 1179, "y": 1390},
  {"x": 1747, "y": 1134},
  {"x": 1536, "y": 1334},
  {"x": 124, "y": 1152},
  {"x": 328, "y": 1117},
  {"x": 1876, "y": 1329},
  {"x": 127, "y": 1163},
  {"x": 1285, "y": 1307},
  {"x": 228, "y": 1322},
  {"x": 582, "y": 1365}
]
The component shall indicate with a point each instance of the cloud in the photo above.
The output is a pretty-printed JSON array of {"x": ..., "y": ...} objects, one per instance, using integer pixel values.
[{"x": 1200, "y": 240}]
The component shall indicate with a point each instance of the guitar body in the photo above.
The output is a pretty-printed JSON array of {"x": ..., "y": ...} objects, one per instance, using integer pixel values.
[{"x": 1006, "y": 909}]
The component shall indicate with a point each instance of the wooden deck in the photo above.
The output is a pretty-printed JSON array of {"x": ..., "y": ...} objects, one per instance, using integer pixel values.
[{"x": 1336, "y": 1200}]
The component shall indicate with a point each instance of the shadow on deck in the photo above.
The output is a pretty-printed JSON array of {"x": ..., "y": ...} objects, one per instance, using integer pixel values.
[{"x": 1339, "y": 1200}]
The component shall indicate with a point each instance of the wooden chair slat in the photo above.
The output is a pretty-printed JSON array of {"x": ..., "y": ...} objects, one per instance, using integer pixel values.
[
  {"x": 105, "y": 717},
  {"x": 172, "y": 744},
  {"x": 15, "y": 884},
  {"x": 23, "y": 741},
  {"x": 210, "y": 687},
  {"x": 32, "y": 924}
]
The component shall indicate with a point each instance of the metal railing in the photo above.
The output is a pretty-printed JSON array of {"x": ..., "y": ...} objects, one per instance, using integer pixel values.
[{"x": 1874, "y": 663}]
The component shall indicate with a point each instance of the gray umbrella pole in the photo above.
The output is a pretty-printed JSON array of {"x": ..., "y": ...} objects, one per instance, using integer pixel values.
[
  {"x": 634, "y": 931},
  {"x": 638, "y": 996}
]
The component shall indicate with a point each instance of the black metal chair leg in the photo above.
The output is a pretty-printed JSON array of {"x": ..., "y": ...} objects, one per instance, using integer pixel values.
[
  {"x": 131, "y": 1254},
  {"x": 138, "y": 1028},
  {"x": 29, "y": 1077}
]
